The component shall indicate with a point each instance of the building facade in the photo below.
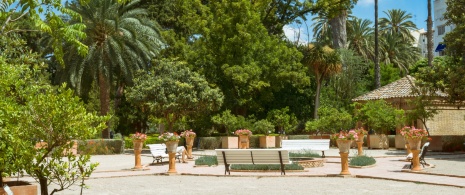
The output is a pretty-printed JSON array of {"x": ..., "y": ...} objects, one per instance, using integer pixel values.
[{"x": 440, "y": 27}]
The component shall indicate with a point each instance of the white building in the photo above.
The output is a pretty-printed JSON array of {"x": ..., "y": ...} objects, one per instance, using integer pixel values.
[
  {"x": 440, "y": 27},
  {"x": 420, "y": 41}
]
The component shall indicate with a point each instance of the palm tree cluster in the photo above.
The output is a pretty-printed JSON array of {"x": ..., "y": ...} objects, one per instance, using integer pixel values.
[{"x": 396, "y": 41}]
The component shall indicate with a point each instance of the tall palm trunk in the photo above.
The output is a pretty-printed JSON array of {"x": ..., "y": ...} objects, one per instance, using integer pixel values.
[
  {"x": 338, "y": 30},
  {"x": 377, "y": 68},
  {"x": 429, "y": 36},
  {"x": 317, "y": 98},
  {"x": 104, "y": 90}
]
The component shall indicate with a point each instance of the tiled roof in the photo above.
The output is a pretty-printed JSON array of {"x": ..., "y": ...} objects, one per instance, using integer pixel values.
[{"x": 397, "y": 89}]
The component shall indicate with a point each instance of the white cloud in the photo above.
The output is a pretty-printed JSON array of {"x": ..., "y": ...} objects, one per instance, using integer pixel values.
[{"x": 293, "y": 34}]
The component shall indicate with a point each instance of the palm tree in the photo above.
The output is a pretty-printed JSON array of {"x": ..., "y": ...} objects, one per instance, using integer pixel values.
[
  {"x": 394, "y": 50},
  {"x": 397, "y": 22},
  {"x": 121, "y": 40},
  {"x": 360, "y": 37},
  {"x": 321, "y": 29},
  {"x": 323, "y": 62}
]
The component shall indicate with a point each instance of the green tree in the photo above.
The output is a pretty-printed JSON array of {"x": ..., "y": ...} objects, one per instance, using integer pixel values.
[
  {"x": 282, "y": 120},
  {"x": 379, "y": 115},
  {"x": 235, "y": 52},
  {"x": 336, "y": 11},
  {"x": 321, "y": 29},
  {"x": 171, "y": 91},
  {"x": 398, "y": 23},
  {"x": 323, "y": 62},
  {"x": 455, "y": 39},
  {"x": 278, "y": 13},
  {"x": 394, "y": 50},
  {"x": 121, "y": 41},
  {"x": 331, "y": 121},
  {"x": 360, "y": 36}
]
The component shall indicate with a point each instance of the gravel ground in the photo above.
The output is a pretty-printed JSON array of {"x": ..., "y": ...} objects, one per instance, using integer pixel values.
[{"x": 255, "y": 185}]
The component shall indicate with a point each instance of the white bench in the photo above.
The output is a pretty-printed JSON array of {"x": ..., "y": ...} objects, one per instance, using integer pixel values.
[
  {"x": 158, "y": 152},
  {"x": 306, "y": 144},
  {"x": 227, "y": 157}
]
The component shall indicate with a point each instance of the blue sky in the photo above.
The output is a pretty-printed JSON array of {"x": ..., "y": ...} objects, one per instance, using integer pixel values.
[{"x": 365, "y": 9}]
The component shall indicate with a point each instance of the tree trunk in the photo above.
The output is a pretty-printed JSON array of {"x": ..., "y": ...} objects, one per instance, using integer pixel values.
[
  {"x": 377, "y": 68},
  {"x": 429, "y": 36},
  {"x": 43, "y": 185},
  {"x": 317, "y": 99},
  {"x": 338, "y": 30},
  {"x": 104, "y": 90}
]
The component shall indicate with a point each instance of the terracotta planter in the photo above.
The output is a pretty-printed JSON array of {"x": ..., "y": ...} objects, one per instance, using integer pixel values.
[
  {"x": 344, "y": 163},
  {"x": 267, "y": 141},
  {"x": 20, "y": 187},
  {"x": 360, "y": 137},
  {"x": 189, "y": 144},
  {"x": 138, "y": 143},
  {"x": 344, "y": 145},
  {"x": 229, "y": 142},
  {"x": 414, "y": 143},
  {"x": 244, "y": 141},
  {"x": 279, "y": 140},
  {"x": 171, "y": 148}
]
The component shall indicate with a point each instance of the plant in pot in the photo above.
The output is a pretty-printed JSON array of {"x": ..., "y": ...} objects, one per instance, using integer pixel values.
[
  {"x": 381, "y": 117},
  {"x": 264, "y": 127},
  {"x": 330, "y": 120}
]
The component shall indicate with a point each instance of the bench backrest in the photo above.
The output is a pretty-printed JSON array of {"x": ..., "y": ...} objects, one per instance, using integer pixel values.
[
  {"x": 306, "y": 144},
  {"x": 157, "y": 149},
  {"x": 424, "y": 149},
  {"x": 252, "y": 156}
]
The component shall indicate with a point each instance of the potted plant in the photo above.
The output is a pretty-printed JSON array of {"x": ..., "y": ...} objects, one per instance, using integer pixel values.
[
  {"x": 361, "y": 132},
  {"x": 138, "y": 142},
  {"x": 381, "y": 117},
  {"x": 344, "y": 139},
  {"x": 189, "y": 135},
  {"x": 264, "y": 127},
  {"x": 171, "y": 141},
  {"x": 414, "y": 137},
  {"x": 244, "y": 135}
]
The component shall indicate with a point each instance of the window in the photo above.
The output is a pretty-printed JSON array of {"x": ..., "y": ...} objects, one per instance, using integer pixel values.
[{"x": 441, "y": 30}]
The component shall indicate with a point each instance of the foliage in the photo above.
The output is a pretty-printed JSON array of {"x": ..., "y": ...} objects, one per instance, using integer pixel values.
[
  {"x": 345, "y": 135},
  {"x": 360, "y": 36},
  {"x": 139, "y": 136},
  {"x": 412, "y": 132},
  {"x": 455, "y": 39},
  {"x": 304, "y": 153},
  {"x": 188, "y": 133},
  {"x": 235, "y": 51},
  {"x": 398, "y": 23},
  {"x": 361, "y": 131},
  {"x": 167, "y": 136},
  {"x": 323, "y": 62},
  {"x": 206, "y": 160},
  {"x": 331, "y": 120},
  {"x": 379, "y": 115},
  {"x": 265, "y": 167},
  {"x": 245, "y": 132},
  {"x": 282, "y": 120},
  {"x": 171, "y": 91},
  {"x": 210, "y": 143},
  {"x": 101, "y": 146},
  {"x": 263, "y": 127},
  {"x": 230, "y": 121},
  {"x": 445, "y": 76},
  {"x": 362, "y": 161}
]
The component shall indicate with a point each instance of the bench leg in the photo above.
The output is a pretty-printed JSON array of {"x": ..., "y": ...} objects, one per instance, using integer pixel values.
[{"x": 323, "y": 154}]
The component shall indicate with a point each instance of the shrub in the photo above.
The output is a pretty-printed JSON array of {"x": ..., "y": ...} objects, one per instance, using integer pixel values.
[
  {"x": 101, "y": 146},
  {"x": 206, "y": 160},
  {"x": 299, "y": 137},
  {"x": 265, "y": 167},
  {"x": 304, "y": 153},
  {"x": 209, "y": 142},
  {"x": 362, "y": 161}
]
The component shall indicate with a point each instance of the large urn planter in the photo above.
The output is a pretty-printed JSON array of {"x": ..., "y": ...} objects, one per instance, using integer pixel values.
[
  {"x": 171, "y": 147},
  {"x": 244, "y": 141},
  {"x": 344, "y": 147},
  {"x": 138, "y": 144},
  {"x": 19, "y": 187},
  {"x": 378, "y": 141},
  {"x": 267, "y": 141},
  {"x": 230, "y": 142},
  {"x": 415, "y": 145},
  {"x": 189, "y": 144}
]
